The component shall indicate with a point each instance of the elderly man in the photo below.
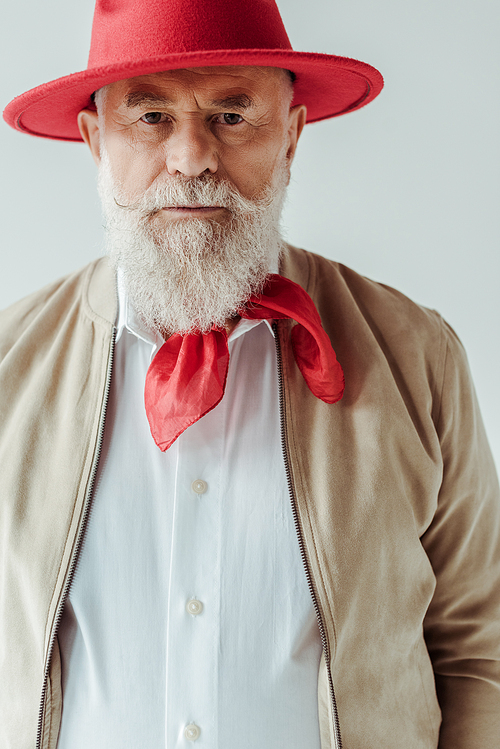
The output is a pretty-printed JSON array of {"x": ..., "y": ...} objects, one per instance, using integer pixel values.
[{"x": 203, "y": 537}]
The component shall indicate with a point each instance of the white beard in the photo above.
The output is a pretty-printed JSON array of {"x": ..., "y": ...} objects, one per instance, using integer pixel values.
[{"x": 192, "y": 273}]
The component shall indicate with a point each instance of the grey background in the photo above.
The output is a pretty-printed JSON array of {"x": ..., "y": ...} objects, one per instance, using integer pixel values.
[{"x": 404, "y": 191}]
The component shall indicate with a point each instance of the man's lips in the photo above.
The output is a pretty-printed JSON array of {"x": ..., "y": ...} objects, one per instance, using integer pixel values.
[{"x": 193, "y": 209}]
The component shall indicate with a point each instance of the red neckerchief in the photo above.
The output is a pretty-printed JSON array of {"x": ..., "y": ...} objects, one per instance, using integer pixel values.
[{"x": 187, "y": 377}]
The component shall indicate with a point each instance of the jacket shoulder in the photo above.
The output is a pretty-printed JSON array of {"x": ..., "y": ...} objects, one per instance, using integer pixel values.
[
  {"x": 52, "y": 302},
  {"x": 339, "y": 290},
  {"x": 370, "y": 323}
]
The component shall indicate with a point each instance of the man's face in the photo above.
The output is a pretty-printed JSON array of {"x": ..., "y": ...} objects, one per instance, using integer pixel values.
[
  {"x": 232, "y": 122},
  {"x": 193, "y": 166}
]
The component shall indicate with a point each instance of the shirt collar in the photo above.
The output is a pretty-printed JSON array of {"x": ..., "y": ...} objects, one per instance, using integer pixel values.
[{"x": 129, "y": 320}]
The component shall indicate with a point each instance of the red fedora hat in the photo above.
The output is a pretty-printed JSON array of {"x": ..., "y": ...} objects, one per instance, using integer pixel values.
[{"x": 136, "y": 37}]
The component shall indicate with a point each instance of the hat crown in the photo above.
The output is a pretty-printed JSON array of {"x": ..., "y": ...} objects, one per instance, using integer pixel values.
[
  {"x": 139, "y": 37},
  {"x": 126, "y": 30}
]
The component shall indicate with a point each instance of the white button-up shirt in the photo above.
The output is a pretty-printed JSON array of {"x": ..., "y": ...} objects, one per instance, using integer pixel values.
[{"x": 189, "y": 618}]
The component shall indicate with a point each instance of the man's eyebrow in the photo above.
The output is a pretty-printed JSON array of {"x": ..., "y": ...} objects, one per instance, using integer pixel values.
[
  {"x": 234, "y": 101},
  {"x": 144, "y": 98},
  {"x": 150, "y": 99}
]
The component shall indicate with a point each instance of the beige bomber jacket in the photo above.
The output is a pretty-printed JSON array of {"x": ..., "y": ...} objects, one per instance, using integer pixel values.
[{"x": 394, "y": 486}]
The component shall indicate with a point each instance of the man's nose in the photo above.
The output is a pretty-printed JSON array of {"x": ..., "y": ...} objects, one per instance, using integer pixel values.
[{"x": 191, "y": 150}]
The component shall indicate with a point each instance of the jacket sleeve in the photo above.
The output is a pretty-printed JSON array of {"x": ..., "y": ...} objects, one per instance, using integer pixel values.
[{"x": 462, "y": 625}]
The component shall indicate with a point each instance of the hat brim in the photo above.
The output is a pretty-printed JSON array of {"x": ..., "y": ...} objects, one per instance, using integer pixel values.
[{"x": 328, "y": 85}]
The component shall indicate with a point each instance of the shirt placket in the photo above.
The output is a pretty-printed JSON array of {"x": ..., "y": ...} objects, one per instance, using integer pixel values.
[{"x": 193, "y": 612}]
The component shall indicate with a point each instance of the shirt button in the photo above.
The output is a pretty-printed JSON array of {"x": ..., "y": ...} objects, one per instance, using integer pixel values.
[
  {"x": 192, "y": 732},
  {"x": 199, "y": 486},
  {"x": 194, "y": 607}
]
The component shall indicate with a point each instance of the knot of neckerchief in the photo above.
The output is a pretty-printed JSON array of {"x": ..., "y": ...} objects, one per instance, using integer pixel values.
[{"x": 187, "y": 377}]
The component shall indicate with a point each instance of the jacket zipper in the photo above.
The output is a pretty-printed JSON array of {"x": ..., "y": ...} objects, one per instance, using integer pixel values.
[
  {"x": 298, "y": 529},
  {"x": 81, "y": 532}
]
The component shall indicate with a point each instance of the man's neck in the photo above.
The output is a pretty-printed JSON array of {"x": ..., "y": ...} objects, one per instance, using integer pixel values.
[{"x": 231, "y": 323}]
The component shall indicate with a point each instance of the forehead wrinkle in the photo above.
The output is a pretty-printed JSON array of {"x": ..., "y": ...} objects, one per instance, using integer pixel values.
[
  {"x": 144, "y": 98},
  {"x": 235, "y": 101}
]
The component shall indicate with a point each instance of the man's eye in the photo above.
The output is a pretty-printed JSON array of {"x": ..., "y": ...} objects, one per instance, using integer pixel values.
[
  {"x": 232, "y": 119},
  {"x": 152, "y": 118}
]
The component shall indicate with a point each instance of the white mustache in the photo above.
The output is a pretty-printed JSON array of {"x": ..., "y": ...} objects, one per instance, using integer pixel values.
[{"x": 199, "y": 191}]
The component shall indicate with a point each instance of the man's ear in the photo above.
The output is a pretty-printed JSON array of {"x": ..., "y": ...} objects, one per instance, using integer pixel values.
[
  {"x": 88, "y": 124},
  {"x": 296, "y": 122}
]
